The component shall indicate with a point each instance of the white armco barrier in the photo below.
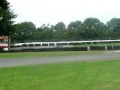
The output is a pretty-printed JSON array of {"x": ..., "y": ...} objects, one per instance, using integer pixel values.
[{"x": 61, "y": 43}]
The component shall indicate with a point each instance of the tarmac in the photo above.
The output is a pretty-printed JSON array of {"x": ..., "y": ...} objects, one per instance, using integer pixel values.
[{"x": 10, "y": 62}]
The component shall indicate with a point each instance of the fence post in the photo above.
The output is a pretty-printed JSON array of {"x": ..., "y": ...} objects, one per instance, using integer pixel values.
[
  {"x": 106, "y": 48},
  {"x": 88, "y": 48}
]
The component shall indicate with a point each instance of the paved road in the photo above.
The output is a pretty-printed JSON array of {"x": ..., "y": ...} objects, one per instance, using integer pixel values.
[{"x": 7, "y": 62}]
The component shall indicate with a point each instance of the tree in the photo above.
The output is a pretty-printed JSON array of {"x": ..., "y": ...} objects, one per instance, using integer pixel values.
[
  {"x": 60, "y": 26},
  {"x": 24, "y": 31},
  {"x": 92, "y": 28},
  {"x": 6, "y": 16},
  {"x": 44, "y": 33},
  {"x": 73, "y": 30},
  {"x": 59, "y": 30},
  {"x": 113, "y": 27},
  {"x": 75, "y": 26}
]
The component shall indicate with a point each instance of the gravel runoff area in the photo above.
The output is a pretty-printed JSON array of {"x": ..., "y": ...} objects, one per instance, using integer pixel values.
[{"x": 7, "y": 62}]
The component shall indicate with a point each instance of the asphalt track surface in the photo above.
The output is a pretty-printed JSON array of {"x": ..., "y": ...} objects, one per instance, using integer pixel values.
[{"x": 8, "y": 62}]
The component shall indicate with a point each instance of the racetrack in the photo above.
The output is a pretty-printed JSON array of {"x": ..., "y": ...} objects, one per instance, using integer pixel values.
[{"x": 7, "y": 62}]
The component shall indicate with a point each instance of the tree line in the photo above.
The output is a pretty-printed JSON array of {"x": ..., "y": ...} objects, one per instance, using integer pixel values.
[{"x": 90, "y": 29}]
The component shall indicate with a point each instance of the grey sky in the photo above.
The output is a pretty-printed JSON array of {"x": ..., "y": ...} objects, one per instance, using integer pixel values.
[{"x": 52, "y": 11}]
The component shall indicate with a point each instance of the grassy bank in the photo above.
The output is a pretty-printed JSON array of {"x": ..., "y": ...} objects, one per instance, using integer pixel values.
[
  {"x": 45, "y": 54},
  {"x": 94, "y": 75}
]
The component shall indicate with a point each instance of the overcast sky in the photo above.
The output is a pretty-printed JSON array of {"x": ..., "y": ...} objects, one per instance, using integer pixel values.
[{"x": 52, "y": 11}]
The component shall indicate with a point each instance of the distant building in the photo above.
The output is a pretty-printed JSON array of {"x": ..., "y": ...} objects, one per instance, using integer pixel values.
[{"x": 4, "y": 43}]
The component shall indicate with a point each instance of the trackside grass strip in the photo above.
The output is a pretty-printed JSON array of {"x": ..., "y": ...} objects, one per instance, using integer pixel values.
[
  {"x": 45, "y": 54},
  {"x": 84, "y": 75}
]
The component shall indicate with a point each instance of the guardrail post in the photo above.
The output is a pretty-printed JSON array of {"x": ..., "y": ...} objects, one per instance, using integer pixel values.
[
  {"x": 88, "y": 48},
  {"x": 106, "y": 48}
]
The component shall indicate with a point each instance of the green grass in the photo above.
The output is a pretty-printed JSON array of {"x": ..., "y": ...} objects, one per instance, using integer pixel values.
[
  {"x": 89, "y": 75},
  {"x": 44, "y": 54}
]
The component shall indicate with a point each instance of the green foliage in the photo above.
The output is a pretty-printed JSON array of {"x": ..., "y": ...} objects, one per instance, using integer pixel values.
[
  {"x": 114, "y": 27},
  {"x": 95, "y": 75},
  {"x": 6, "y": 16},
  {"x": 73, "y": 31},
  {"x": 90, "y": 29},
  {"x": 59, "y": 30},
  {"x": 75, "y": 26},
  {"x": 24, "y": 31},
  {"x": 44, "y": 33},
  {"x": 60, "y": 26}
]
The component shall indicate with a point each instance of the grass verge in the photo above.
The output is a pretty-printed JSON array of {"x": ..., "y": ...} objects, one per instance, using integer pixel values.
[
  {"x": 89, "y": 75},
  {"x": 45, "y": 54}
]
